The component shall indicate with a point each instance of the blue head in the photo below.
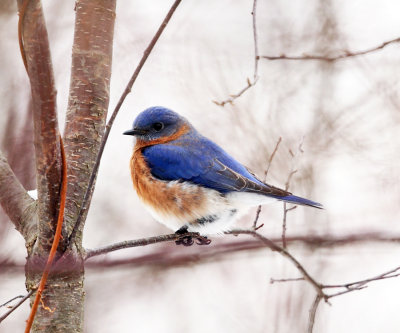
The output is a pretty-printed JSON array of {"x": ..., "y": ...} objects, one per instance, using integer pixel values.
[{"x": 156, "y": 122}]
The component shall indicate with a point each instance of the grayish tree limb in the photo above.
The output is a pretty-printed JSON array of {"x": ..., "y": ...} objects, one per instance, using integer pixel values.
[{"x": 16, "y": 202}]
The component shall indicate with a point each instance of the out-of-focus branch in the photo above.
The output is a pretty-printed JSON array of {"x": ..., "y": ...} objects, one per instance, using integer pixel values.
[
  {"x": 311, "y": 241},
  {"x": 250, "y": 83},
  {"x": 342, "y": 56},
  {"x": 265, "y": 179},
  {"x": 287, "y": 185},
  {"x": 16, "y": 202},
  {"x": 36, "y": 55},
  {"x": 90, "y": 187},
  {"x": 217, "y": 249}
]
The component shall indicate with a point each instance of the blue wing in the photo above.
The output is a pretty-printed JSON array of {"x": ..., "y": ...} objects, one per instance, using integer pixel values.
[{"x": 199, "y": 160}]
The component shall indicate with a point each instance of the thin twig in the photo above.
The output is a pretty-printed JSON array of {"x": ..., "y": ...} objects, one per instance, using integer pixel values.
[
  {"x": 265, "y": 179},
  {"x": 256, "y": 55},
  {"x": 4, "y": 316},
  {"x": 250, "y": 84},
  {"x": 358, "y": 285},
  {"x": 10, "y": 300},
  {"x": 349, "y": 286},
  {"x": 287, "y": 185},
  {"x": 127, "y": 90},
  {"x": 272, "y": 281},
  {"x": 274, "y": 247},
  {"x": 312, "y": 313},
  {"x": 310, "y": 241},
  {"x": 345, "y": 55}
]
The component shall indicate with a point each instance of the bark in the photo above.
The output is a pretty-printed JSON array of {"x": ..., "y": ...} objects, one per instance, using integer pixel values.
[
  {"x": 17, "y": 204},
  {"x": 88, "y": 99},
  {"x": 46, "y": 141},
  {"x": 63, "y": 297}
]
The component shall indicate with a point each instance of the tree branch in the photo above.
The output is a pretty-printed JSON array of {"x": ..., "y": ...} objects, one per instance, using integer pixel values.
[
  {"x": 274, "y": 247},
  {"x": 265, "y": 179},
  {"x": 16, "y": 202},
  {"x": 320, "y": 241},
  {"x": 16, "y": 306},
  {"x": 135, "y": 243},
  {"x": 88, "y": 100},
  {"x": 344, "y": 55},
  {"x": 36, "y": 55},
  {"x": 93, "y": 175},
  {"x": 250, "y": 83},
  {"x": 313, "y": 312}
]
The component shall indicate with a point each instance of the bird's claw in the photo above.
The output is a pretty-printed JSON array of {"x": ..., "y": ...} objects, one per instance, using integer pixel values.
[
  {"x": 185, "y": 241},
  {"x": 186, "y": 238},
  {"x": 202, "y": 240}
]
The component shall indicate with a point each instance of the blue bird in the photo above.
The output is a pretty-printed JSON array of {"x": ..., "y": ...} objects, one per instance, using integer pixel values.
[{"x": 188, "y": 182}]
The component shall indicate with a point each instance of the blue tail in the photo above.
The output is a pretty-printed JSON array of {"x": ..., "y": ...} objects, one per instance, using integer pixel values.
[{"x": 301, "y": 201}]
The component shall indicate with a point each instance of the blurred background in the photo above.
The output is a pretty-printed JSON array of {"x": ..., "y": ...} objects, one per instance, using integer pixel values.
[{"x": 345, "y": 114}]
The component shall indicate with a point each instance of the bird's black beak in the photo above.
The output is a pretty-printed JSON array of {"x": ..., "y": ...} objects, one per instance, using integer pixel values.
[{"x": 135, "y": 131}]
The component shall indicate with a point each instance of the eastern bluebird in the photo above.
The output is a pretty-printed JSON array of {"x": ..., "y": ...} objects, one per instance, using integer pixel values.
[{"x": 188, "y": 182}]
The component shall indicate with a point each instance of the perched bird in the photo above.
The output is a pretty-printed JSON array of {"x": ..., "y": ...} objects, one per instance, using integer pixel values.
[{"x": 188, "y": 182}]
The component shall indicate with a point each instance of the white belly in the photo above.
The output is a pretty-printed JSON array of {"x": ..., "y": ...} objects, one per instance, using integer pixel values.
[{"x": 218, "y": 215}]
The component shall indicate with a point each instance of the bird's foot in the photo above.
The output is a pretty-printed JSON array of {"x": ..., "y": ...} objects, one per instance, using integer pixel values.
[
  {"x": 186, "y": 238},
  {"x": 202, "y": 240}
]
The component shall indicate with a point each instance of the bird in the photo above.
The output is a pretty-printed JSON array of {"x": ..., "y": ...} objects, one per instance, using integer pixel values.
[{"x": 188, "y": 182}]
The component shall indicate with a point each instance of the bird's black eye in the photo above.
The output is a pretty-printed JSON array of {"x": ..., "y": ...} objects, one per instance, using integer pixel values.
[{"x": 158, "y": 126}]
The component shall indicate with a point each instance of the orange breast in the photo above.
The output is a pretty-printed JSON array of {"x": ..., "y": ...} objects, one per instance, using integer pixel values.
[{"x": 168, "y": 198}]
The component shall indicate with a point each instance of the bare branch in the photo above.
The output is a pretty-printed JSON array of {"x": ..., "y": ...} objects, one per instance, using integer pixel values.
[
  {"x": 16, "y": 202},
  {"x": 313, "y": 312},
  {"x": 10, "y": 300},
  {"x": 358, "y": 285},
  {"x": 324, "y": 241},
  {"x": 272, "y": 281},
  {"x": 265, "y": 179},
  {"x": 287, "y": 185},
  {"x": 250, "y": 84},
  {"x": 36, "y": 55},
  {"x": 24, "y": 298},
  {"x": 344, "y": 55},
  {"x": 274, "y": 247},
  {"x": 135, "y": 243},
  {"x": 231, "y": 99},
  {"x": 90, "y": 186}
]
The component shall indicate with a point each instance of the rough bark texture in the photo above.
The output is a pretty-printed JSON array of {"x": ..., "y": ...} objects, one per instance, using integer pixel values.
[
  {"x": 63, "y": 297},
  {"x": 88, "y": 99},
  {"x": 62, "y": 304}
]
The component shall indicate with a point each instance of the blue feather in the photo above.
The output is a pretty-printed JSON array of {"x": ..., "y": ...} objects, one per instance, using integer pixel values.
[
  {"x": 183, "y": 160},
  {"x": 301, "y": 201}
]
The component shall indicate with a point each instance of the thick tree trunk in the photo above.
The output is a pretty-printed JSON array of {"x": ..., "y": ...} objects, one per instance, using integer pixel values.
[{"x": 61, "y": 308}]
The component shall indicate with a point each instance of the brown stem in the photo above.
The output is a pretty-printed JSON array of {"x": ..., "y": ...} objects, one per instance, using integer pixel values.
[
  {"x": 313, "y": 312},
  {"x": 250, "y": 84},
  {"x": 344, "y": 55},
  {"x": 16, "y": 306},
  {"x": 135, "y": 243},
  {"x": 36, "y": 55}
]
